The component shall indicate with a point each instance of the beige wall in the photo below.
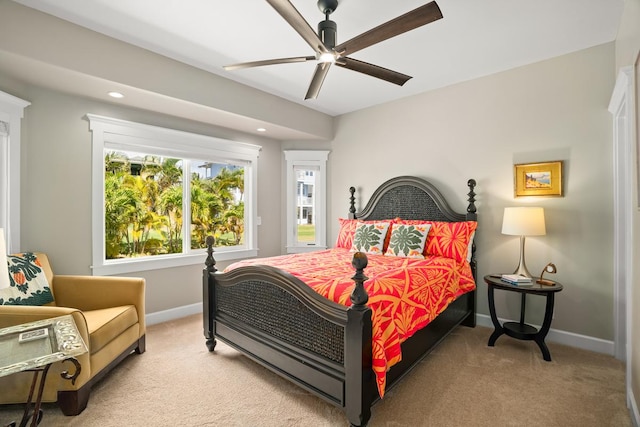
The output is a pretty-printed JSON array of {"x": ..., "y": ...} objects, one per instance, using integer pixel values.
[
  {"x": 627, "y": 50},
  {"x": 552, "y": 110},
  {"x": 56, "y": 187}
]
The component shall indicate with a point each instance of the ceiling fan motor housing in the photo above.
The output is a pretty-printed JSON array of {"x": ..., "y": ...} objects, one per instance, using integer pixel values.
[
  {"x": 327, "y": 31},
  {"x": 327, "y": 6}
]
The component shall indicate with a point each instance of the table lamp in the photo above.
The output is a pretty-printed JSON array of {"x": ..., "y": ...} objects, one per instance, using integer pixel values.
[{"x": 523, "y": 221}]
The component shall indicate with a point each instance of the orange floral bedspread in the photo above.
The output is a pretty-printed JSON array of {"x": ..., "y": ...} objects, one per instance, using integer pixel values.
[{"x": 405, "y": 294}]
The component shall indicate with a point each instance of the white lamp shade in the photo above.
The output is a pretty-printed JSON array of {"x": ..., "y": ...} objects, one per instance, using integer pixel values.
[{"x": 523, "y": 221}]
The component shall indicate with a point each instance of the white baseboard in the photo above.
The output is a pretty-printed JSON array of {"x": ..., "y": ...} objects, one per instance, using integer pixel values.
[
  {"x": 633, "y": 407},
  {"x": 562, "y": 337},
  {"x": 173, "y": 313}
]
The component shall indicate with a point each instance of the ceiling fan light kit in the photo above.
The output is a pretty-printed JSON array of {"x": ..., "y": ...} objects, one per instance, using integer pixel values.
[{"x": 327, "y": 52}]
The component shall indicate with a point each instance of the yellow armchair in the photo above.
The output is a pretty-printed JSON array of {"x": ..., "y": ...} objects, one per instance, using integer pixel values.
[{"x": 109, "y": 313}]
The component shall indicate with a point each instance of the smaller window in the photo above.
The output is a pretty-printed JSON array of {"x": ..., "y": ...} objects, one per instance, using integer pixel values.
[{"x": 306, "y": 200}]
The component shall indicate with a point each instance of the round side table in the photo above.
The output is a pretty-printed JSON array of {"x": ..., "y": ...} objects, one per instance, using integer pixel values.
[{"x": 521, "y": 330}]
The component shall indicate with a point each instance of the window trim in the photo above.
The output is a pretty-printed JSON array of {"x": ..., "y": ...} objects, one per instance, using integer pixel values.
[
  {"x": 11, "y": 112},
  {"x": 121, "y": 134},
  {"x": 317, "y": 159}
]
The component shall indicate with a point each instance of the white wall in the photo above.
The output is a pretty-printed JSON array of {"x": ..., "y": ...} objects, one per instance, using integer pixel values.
[{"x": 552, "y": 110}]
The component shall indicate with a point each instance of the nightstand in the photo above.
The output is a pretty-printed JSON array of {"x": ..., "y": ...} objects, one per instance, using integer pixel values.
[{"x": 521, "y": 330}]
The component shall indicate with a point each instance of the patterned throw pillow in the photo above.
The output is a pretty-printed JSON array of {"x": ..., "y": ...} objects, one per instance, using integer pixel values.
[
  {"x": 370, "y": 238},
  {"x": 28, "y": 283},
  {"x": 408, "y": 240},
  {"x": 345, "y": 235},
  {"x": 348, "y": 230},
  {"x": 450, "y": 239}
]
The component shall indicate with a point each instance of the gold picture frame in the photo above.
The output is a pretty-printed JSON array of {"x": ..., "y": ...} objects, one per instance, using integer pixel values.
[{"x": 538, "y": 179}]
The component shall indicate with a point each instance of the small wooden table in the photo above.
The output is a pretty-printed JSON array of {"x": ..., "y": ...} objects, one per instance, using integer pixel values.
[
  {"x": 521, "y": 330},
  {"x": 34, "y": 347}
]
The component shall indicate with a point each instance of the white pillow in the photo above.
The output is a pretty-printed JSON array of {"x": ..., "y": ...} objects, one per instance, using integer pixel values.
[
  {"x": 369, "y": 238},
  {"x": 408, "y": 240}
]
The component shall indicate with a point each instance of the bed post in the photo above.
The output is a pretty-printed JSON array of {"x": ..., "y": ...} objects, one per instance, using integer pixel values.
[
  {"x": 472, "y": 216},
  {"x": 208, "y": 291},
  {"x": 358, "y": 357},
  {"x": 352, "y": 203}
]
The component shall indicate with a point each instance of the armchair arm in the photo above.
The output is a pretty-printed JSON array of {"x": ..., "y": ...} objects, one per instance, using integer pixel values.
[
  {"x": 12, "y": 315},
  {"x": 97, "y": 292}
]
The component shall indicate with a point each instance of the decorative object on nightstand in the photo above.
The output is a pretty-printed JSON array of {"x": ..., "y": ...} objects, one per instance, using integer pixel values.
[
  {"x": 523, "y": 221},
  {"x": 549, "y": 268}
]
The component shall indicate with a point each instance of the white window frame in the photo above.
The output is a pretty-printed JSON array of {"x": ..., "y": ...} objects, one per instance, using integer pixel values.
[
  {"x": 130, "y": 136},
  {"x": 316, "y": 159},
  {"x": 11, "y": 112}
]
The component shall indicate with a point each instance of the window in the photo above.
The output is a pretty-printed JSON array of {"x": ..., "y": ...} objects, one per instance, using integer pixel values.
[
  {"x": 11, "y": 113},
  {"x": 306, "y": 200},
  {"x": 158, "y": 193}
]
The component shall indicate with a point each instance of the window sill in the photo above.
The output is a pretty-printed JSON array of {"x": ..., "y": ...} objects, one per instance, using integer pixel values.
[
  {"x": 168, "y": 261},
  {"x": 305, "y": 249}
]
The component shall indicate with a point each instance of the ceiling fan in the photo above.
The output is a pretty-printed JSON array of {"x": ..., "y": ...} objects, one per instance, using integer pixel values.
[{"x": 324, "y": 42}]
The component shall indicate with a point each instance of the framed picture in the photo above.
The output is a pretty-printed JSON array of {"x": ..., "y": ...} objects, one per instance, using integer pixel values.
[
  {"x": 538, "y": 179},
  {"x": 636, "y": 73}
]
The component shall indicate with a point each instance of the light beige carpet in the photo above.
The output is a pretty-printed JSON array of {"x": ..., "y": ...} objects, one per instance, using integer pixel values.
[{"x": 462, "y": 383}]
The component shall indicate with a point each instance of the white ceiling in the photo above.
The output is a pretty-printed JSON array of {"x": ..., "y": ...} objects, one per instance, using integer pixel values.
[{"x": 475, "y": 38}]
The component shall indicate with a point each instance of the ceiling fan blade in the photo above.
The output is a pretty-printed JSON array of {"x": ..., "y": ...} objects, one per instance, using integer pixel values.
[
  {"x": 268, "y": 62},
  {"x": 293, "y": 17},
  {"x": 373, "y": 70},
  {"x": 318, "y": 78},
  {"x": 416, "y": 18}
]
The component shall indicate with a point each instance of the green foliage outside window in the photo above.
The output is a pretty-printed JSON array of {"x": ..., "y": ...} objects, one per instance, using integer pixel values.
[{"x": 144, "y": 206}]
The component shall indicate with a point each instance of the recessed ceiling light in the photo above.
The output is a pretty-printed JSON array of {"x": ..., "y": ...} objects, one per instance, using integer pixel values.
[
  {"x": 116, "y": 95},
  {"x": 261, "y": 130}
]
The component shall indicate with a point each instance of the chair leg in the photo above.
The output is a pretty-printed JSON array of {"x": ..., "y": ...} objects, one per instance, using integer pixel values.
[
  {"x": 73, "y": 402},
  {"x": 141, "y": 348}
]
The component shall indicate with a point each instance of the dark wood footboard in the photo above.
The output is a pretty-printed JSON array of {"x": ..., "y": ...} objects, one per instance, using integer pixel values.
[{"x": 275, "y": 319}]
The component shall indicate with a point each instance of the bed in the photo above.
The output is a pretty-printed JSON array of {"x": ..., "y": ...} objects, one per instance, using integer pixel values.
[{"x": 328, "y": 348}]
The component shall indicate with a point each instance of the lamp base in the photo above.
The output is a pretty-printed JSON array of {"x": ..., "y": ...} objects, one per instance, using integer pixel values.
[{"x": 522, "y": 270}]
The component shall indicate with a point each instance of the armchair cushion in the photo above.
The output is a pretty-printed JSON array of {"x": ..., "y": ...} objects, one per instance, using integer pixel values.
[
  {"x": 108, "y": 323},
  {"x": 28, "y": 284}
]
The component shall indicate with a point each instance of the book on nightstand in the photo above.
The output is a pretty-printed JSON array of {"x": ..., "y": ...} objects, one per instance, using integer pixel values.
[{"x": 516, "y": 279}]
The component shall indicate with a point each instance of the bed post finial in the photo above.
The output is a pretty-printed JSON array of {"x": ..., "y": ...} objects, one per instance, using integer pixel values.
[
  {"x": 359, "y": 296},
  {"x": 352, "y": 203},
  {"x": 210, "y": 262},
  {"x": 471, "y": 209}
]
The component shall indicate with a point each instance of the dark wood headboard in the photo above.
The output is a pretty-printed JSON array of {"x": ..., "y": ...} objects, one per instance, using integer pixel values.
[{"x": 410, "y": 197}]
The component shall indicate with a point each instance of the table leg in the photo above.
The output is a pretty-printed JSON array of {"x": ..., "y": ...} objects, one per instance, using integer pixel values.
[
  {"x": 496, "y": 324},
  {"x": 546, "y": 325},
  {"x": 34, "y": 415}
]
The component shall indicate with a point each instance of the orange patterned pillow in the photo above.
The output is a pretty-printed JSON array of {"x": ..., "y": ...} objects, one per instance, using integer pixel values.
[
  {"x": 450, "y": 239},
  {"x": 345, "y": 235}
]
